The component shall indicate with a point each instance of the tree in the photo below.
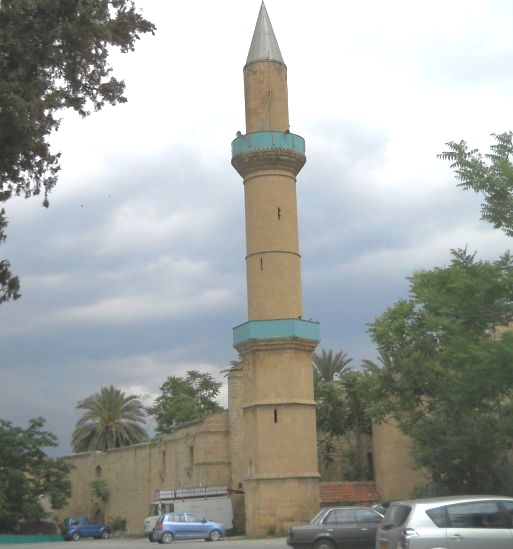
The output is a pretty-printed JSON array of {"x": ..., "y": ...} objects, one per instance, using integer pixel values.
[
  {"x": 112, "y": 420},
  {"x": 356, "y": 395},
  {"x": 449, "y": 381},
  {"x": 330, "y": 367},
  {"x": 54, "y": 56},
  {"x": 27, "y": 473},
  {"x": 490, "y": 175},
  {"x": 331, "y": 417},
  {"x": 341, "y": 410},
  {"x": 185, "y": 399}
]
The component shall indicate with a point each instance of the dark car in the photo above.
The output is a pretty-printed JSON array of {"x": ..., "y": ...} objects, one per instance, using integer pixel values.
[
  {"x": 380, "y": 506},
  {"x": 186, "y": 525},
  {"x": 74, "y": 528},
  {"x": 337, "y": 527}
]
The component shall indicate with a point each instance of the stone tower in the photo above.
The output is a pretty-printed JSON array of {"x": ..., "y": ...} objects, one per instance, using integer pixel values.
[{"x": 277, "y": 455}]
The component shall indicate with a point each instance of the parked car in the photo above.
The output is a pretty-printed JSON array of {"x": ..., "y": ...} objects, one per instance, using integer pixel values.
[
  {"x": 380, "y": 506},
  {"x": 459, "y": 522},
  {"x": 337, "y": 527},
  {"x": 74, "y": 528},
  {"x": 187, "y": 525}
]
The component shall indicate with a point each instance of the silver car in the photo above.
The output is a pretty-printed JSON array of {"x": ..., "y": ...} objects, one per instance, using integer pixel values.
[{"x": 459, "y": 522}]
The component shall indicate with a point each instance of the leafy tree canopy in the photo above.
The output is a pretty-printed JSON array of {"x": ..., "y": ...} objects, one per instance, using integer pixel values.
[
  {"x": 26, "y": 473},
  {"x": 185, "y": 399},
  {"x": 490, "y": 175},
  {"x": 54, "y": 56},
  {"x": 447, "y": 377},
  {"x": 111, "y": 419}
]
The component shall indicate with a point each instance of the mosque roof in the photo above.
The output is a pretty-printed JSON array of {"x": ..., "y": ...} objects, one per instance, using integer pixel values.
[{"x": 264, "y": 45}]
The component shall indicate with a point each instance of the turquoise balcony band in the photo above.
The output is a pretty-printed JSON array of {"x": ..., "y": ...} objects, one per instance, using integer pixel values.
[
  {"x": 267, "y": 140},
  {"x": 275, "y": 329}
]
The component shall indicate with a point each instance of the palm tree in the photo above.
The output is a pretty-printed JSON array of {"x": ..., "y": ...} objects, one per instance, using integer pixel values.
[
  {"x": 329, "y": 367},
  {"x": 371, "y": 367},
  {"x": 112, "y": 419}
]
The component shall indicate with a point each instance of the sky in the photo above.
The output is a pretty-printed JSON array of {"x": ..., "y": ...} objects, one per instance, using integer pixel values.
[{"x": 136, "y": 271}]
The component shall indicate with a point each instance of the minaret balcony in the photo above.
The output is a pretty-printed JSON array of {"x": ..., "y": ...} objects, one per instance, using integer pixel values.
[
  {"x": 276, "y": 329},
  {"x": 268, "y": 140},
  {"x": 263, "y": 150}
]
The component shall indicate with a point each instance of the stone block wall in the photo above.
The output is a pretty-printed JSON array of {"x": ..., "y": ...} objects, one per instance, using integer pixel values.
[
  {"x": 394, "y": 468},
  {"x": 197, "y": 453}
]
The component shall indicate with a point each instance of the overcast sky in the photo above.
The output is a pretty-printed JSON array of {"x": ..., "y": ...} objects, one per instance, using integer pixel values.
[{"x": 136, "y": 271}]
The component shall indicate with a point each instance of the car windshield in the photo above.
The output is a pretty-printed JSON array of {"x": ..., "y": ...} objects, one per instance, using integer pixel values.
[{"x": 318, "y": 516}]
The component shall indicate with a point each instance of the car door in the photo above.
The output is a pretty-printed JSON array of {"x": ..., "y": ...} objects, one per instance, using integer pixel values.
[
  {"x": 368, "y": 522},
  {"x": 341, "y": 526},
  {"x": 180, "y": 526},
  {"x": 507, "y": 505},
  {"x": 477, "y": 525},
  {"x": 195, "y": 526},
  {"x": 87, "y": 528}
]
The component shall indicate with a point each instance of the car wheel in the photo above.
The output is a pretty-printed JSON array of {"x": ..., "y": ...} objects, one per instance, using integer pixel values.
[
  {"x": 105, "y": 535},
  {"x": 166, "y": 537},
  {"x": 75, "y": 536},
  {"x": 215, "y": 535},
  {"x": 323, "y": 544}
]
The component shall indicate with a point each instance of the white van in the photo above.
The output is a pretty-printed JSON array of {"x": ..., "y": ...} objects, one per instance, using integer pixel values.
[{"x": 212, "y": 502}]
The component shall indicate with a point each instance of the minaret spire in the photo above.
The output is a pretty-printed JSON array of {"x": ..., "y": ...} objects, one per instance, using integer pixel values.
[{"x": 264, "y": 46}]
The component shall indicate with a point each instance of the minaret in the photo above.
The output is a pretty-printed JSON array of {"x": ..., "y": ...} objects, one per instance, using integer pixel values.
[{"x": 278, "y": 469}]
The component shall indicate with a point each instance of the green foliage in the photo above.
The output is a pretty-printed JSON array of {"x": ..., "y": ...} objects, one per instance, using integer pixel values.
[
  {"x": 118, "y": 524},
  {"x": 331, "y": 417},
  {"x": 54, "y": 57},
  {"x": 330, "y": 367},
  {"x": 100, "y": 490},
  {"x": 112, "y": 420},
  {"x": 26, "y": 473},
  {"x": 340, "y": 394},
  {"x": 9, "y": 284},
  {"x": 185, "y": 399},
  {"x": 448, "y": 378},
  {"x": 490, "y": 175}
]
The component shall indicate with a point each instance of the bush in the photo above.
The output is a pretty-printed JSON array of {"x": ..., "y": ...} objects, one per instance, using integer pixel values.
[{"x": 118, "y": 525}]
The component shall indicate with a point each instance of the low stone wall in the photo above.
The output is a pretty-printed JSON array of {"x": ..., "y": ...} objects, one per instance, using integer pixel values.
[
  {"x": 20, "y": 538},
  {"x": 334, "y": 493}
]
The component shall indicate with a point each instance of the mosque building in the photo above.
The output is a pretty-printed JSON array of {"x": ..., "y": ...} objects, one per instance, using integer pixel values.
[{"x": 264, "y": 446}]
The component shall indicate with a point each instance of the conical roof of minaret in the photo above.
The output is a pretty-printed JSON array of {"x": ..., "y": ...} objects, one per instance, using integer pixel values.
[{"x": 264, "y": 45}]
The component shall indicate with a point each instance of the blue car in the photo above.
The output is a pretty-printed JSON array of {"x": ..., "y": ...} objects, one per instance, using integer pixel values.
[
  {"x": 182, "y": 526},
  {"x": 74, "y": 528}
]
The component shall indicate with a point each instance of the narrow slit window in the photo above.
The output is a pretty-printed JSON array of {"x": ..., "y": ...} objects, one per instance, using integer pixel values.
[
  {"x": 261, "y": 264},
  {"x": 275, "y": 415},
  {"x": 279, "y": 213}
]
